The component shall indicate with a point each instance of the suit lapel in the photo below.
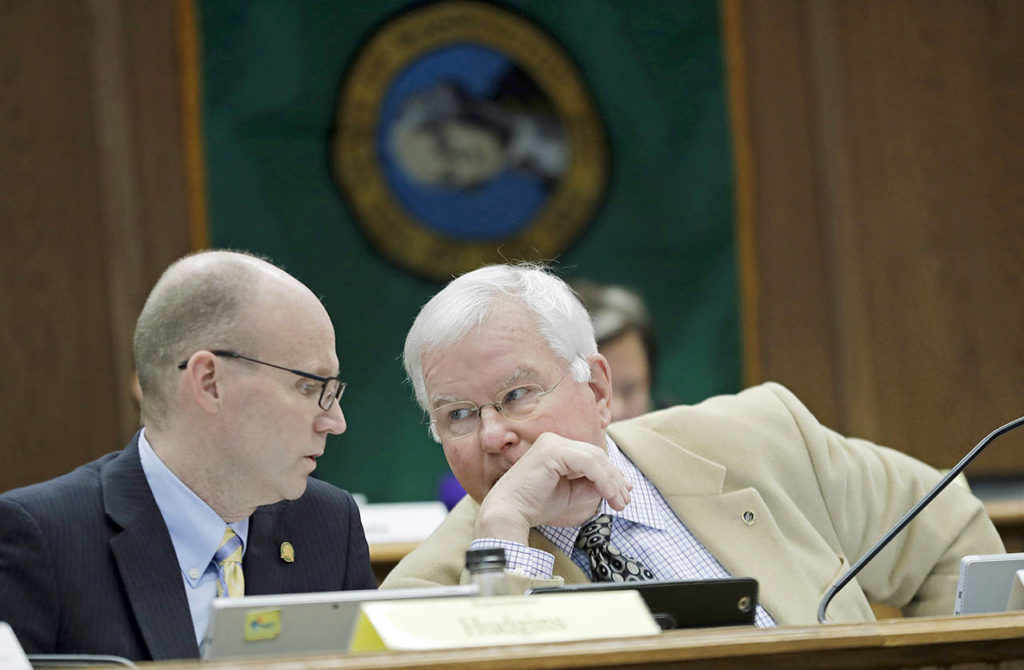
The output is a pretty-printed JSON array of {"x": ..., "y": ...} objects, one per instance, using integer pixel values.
[
  {"x": 146, "y": 559},
  {"x": 736, "y": 526},
  {"x": 262, "y": 563}
]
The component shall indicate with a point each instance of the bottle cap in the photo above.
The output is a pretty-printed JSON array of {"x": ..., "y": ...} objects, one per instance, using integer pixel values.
[{"x": 492, "y": 558}]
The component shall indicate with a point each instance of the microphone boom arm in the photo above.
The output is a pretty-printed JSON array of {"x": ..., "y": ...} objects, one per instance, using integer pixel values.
[{"x": 909, "y": 516}]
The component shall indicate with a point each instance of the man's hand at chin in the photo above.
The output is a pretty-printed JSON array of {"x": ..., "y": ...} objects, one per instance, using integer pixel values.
[{"x": 557, "y": 482}]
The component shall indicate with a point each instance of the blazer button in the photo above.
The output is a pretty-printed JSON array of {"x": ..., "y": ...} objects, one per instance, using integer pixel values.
[{"x": 748, "y": 518}]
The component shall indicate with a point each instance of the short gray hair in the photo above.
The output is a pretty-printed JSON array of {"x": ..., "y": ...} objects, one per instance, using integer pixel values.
[
  {"x": 466, "y": 302},
  {"x": 196, "y": 304}
]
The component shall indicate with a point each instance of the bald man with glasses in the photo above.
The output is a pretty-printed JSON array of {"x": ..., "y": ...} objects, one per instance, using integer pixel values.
[{"x": 212, "y": 497}]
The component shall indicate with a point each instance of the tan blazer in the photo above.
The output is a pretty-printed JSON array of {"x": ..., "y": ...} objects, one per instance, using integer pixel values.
[{"x": 776, "y": 496}]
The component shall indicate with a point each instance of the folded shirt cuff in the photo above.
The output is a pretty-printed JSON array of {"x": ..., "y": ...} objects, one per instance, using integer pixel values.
[{"x": 519, "y": 558}]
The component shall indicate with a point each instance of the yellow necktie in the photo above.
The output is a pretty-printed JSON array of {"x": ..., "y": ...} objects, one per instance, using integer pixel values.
[{"x": 228, "y": 559}]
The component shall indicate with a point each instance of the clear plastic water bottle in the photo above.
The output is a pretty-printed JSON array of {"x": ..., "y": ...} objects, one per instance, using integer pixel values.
[{"x": 487, "y": 570}]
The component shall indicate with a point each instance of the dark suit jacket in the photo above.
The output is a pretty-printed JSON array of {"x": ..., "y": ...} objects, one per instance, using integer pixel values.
[{"x": 87, "y": 564}]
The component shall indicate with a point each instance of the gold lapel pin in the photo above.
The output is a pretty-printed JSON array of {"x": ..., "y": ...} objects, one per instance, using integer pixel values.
[{"x": 287, "y": 552}]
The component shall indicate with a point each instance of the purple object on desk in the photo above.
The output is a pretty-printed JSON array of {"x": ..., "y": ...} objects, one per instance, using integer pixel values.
[{"x": 450, "y": 491}]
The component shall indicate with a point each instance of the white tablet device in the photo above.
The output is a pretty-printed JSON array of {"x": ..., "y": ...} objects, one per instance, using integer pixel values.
[
  {"x": 1016, "y": 603},
  {"x": 985, "y": 582},
  {"x": 297, "y": 623}
]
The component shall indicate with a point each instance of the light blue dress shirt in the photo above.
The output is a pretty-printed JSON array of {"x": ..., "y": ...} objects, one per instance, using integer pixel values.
[{"x": 196, "y": 531}]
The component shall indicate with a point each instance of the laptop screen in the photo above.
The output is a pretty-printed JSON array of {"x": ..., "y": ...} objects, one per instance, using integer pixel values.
[{"x": 297, "y": 623}]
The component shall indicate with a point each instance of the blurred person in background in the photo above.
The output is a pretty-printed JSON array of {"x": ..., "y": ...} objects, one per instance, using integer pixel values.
[{"x": 625, "y": 336}]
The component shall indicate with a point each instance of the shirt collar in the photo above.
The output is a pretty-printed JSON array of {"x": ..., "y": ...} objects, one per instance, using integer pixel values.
[
  {"x": 643, "y": 507},
  {"x": 196, "y": 530}
]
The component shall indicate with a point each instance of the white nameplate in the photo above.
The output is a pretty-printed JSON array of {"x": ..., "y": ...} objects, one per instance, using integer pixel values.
[
  {"x": 440, "y": 623},
  {"x": 11, "y": 654}
]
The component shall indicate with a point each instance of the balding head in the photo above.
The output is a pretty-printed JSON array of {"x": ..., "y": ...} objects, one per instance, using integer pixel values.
[{"x": 200, "y": 302}]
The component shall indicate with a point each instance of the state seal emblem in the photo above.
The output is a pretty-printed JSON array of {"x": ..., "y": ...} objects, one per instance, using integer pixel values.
[{"x": 464, "y": 134}]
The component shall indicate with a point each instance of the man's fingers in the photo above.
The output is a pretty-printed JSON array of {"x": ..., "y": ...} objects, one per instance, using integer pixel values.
[{"x": 581, "y": 459}]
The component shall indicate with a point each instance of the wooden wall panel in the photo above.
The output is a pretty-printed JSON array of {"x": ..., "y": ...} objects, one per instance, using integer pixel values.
[
  {"x": 779, "y": 228},
  {"x": 888, "y": 138},
  {"x": 92, "y": 209}
]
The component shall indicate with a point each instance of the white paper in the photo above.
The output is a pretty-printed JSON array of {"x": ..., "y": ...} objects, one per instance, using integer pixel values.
[
  {"x": 385, "y": 523},
  {"x": 11, "y": 655}
]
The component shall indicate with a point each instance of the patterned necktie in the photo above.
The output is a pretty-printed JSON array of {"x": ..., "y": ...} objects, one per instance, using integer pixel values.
[
  {"x": 228, "y": 560},
  {"x": 607, "y": 563}
]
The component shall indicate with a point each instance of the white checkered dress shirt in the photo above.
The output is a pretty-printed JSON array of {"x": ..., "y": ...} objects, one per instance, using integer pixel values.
[{"x": 647, "y": 529}]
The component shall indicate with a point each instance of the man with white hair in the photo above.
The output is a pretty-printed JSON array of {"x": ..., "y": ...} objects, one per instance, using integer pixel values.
[
  {"x": 124, "y": 555},
  {"x": 504, "y": 361}
]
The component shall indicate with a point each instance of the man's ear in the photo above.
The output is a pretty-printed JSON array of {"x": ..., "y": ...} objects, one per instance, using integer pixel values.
[
  {"x": 201, "y": 381},
  {"x": 601, "y": 386}
]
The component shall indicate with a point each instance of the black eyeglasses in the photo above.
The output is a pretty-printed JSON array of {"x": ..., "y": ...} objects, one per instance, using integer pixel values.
[{"x": 331, "y": 388}]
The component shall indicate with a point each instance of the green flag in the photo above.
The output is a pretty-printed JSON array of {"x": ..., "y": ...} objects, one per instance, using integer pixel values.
[{"x": 374, "y": 149}]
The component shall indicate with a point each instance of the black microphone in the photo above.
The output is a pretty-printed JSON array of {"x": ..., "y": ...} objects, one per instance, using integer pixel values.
[{"x": 909, "y": 516}]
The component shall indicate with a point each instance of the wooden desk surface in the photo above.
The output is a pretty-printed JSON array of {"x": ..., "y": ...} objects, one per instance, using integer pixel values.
[
  {"x": 1008, "y": 517},
  {"x": 391, "y": 552},
  {"x": 1008, "y": 511},
  {"x": 939, "y": 642}
]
